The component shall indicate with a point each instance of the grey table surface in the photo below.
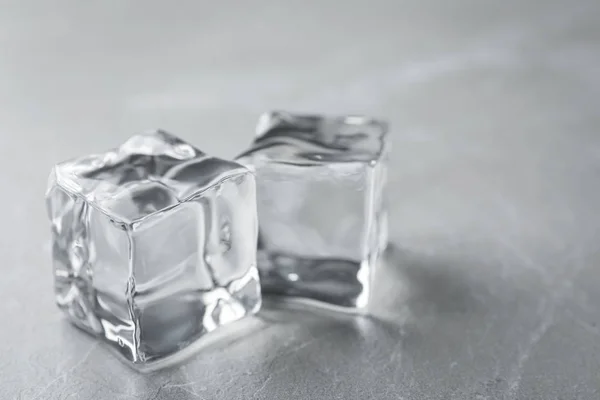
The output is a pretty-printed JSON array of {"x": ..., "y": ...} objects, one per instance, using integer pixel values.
[{"x": 491, "y": 286}]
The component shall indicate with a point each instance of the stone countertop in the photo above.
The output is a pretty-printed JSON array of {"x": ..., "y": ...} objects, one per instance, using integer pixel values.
[{"x": 491, "y": 285}]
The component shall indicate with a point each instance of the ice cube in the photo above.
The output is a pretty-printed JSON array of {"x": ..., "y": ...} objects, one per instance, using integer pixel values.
[
  {"x": 154, "y": 245},
  {"x": 321, "y": 208}
]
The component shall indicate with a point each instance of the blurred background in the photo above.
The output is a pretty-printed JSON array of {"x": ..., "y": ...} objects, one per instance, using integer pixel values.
[{"x": 492, "y": 284}]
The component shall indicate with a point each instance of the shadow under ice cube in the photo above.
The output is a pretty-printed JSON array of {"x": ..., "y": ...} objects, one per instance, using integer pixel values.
[
  {"x": 321, "y": 208},
  {"x": 154, "y": 245}
]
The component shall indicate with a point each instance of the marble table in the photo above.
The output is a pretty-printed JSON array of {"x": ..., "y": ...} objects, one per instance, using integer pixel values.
[{"x": 491, "y": 285}]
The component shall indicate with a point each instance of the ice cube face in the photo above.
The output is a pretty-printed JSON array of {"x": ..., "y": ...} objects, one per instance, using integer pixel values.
[
  {"x": 154, "y": 245},
  {"x": 321, "y": 207}
]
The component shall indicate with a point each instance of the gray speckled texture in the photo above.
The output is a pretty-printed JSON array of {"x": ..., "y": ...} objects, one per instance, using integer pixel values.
[{"x": 492, "y": 284}]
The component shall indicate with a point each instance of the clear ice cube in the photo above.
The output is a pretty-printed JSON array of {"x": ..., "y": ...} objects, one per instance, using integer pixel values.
[
  {"x": 321, "y": 208},
  {"x": 154, "y": 245}
]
